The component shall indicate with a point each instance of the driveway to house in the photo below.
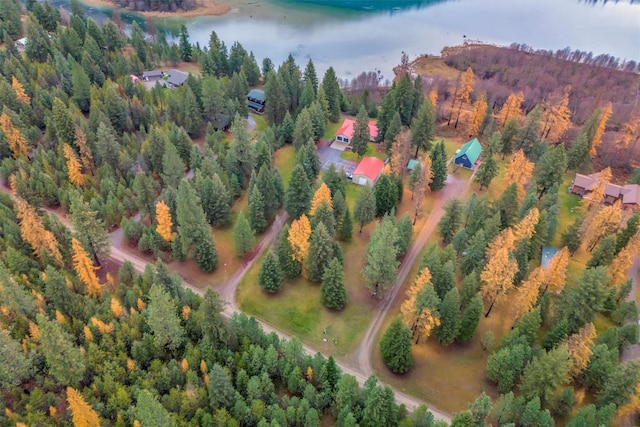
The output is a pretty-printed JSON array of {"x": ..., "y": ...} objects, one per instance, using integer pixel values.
[
  {"x": 329, "y": 156},
  {"x": 361, "y": 357}
]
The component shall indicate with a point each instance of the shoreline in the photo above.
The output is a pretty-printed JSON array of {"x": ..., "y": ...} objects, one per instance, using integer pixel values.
[{"x": 203, "y": 8}]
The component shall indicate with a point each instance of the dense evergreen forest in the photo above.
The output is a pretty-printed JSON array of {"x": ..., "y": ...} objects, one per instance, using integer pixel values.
[{"x": 85, "y": 150}]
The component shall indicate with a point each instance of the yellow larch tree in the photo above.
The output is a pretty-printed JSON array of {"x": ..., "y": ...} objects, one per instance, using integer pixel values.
[
  {"x": 86, "y": 157},
  {"x": 504, "y": 240},
  {"x": 479, "y": 112},
  {"x": 527, "y": 226},
  {"x": 426, "y": 322},
  {"x": 422, "y": 186},
  {"x": 104, "y": 328},
  {"x": 83, "y": 415},
  {"x": 34, "y": 233},
  {"x": 163, "y": 218},
  {"x": 184, "y": 366},
  {"x": 185, "y": 313},
  {"x": 555, "y": 274},
  {"x": 602, "y": 223},
  {"x": 557, "y": 116},
  {"x": 73, "y": 166},
  {"x": 633, "y": 406},
  {"x": 466, "y": 85},
  {"x": 408, "y": 307},
  {"x": 322, "y": 194},
  {"x": 629, "y": 131},
  {"x": 512, "y": 107},
  {"x": 594, "y": 198},
  {"x": 309, "y": 373},
  {"x": 526, "y": 295},
  {"x": 85, "y": 269},
  {"x": 433, "y": 97},
  {"x": 519, "y": 171},
  {"x": 16, "y": 140},
  {"x": 116, "y": 308},
  {"x": 579, "y": 345},
  {"x": 623, "y": 260},
  {"x": 21, "y": 95},
  {"x": 602, "y": 124},
  {"x": 400, "y": 153},
  {"x": 88, "y": 335},
  {"x": 298, "y": 238},
  {"x": 497, "y": 277}
]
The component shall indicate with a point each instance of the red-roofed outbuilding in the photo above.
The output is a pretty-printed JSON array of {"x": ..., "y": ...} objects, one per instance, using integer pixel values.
[
  {"x": 345, "y": 133},
  {"x": 368, "y": 171}
]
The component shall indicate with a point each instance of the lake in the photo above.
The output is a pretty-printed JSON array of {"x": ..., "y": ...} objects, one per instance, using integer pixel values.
[{"x": 369, "y": 35}]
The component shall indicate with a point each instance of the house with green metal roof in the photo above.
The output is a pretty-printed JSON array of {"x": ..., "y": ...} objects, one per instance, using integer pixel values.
[
  {"x": 468, "y": 155},
  {"x": 255, "y": 99}
]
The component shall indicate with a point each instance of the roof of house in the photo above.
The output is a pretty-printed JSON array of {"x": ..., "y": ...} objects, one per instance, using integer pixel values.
[
  {"x": 152, "y": 73},
  {"x": 631, "y": 194},
  {"x": 585, "y": 181},
  {"x": 369, "y": 167},
  {"x": 547, "y": 255},
  {"x": 23, "y": 41},
  {"x": 177, "y": 77},
  {"x": 347, "y": 129},
  {"x": 612, "y": 190},
  {"x": 472, "y": 149},
  {"x": 256, "y": 94},
  {"x": 412, "y": 164}
]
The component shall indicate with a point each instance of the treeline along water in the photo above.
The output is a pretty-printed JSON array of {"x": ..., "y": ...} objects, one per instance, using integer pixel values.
[{"x": 366, "y": 35}]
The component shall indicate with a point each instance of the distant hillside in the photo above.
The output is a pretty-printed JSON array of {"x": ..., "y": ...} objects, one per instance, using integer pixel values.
[{"x": 369, "y": 4}]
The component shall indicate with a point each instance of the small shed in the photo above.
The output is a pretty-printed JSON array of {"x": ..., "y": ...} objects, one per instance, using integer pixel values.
[
  {"x": 177, "y": 78},
  {"x": 412, "y": 164},
  {"x": 255, "y": 99},
  {"x": 468, "y": 155},
  {"x": 345, "y": 133},
  {"x": 368, "y": 171},
  {"x": 21, "y": 44},
  {"x": 547, "y": 254}
]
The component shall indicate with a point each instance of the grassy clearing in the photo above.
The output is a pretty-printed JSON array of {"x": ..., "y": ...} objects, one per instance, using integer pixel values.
[
  {"x": 261, "y": 124},
  {"x": 284, "y": 161},
  {"x": 372, "y": 151},
  {"x": 297, "y": 309},
  {"x": 434, "y": 66},
  {"x": 331, "y": 129}
]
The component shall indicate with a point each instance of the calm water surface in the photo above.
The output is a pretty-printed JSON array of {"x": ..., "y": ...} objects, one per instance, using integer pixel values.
[
  {"x": 366, "y": 35},
  {"x": 371, "y": 35}
]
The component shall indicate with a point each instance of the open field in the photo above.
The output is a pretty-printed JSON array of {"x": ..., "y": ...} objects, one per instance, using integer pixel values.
[{"x": 284, "y": 161}]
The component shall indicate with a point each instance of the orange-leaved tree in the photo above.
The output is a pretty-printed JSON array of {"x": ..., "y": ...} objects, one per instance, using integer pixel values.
[
  {"x": 600, "y": 128},
  {"x": 298, "y": 238},
  {"x": 83, "y": 415},
  {"x": 601, "y": 223},
  {"x": 73, "y": 166},
  {"x": 21, "y": 95},
  {"x": 579, "y": 345},
  {"x": 527, "y": 294},
  {"x": 527, "y": 226},
  {"x": 557, "y": 116},
  {"x": 477, "y": 117},
  {"x": 556, "y": 272},
  {"x": 322, "y": 194},
  {"x": 512, "y": 107},
  {"x": 163, "y": 218},
  {"x": 85, "y": 151},
  {"x": 408, "y": 307},
  {"x": 15, "y": 139},
  {"x": 497, "y": 277},
  {"x": 519, "y": 171},
  {"x": 34, "y": 233},
  {"x": 85, "y": 269}
]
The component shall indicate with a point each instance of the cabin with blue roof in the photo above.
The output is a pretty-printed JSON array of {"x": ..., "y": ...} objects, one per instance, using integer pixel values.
[
  {"x": 255, "y": 99},
  {"x": 468, "y": 154}
]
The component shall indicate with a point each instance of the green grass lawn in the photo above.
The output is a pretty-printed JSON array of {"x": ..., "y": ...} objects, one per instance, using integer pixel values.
[
  {"x": 331, "y": 129},
  {"x": 285, "y": 162},
  {"x": 261, "y": 123},
  {"x": 297, "y": 309},
  {"x": 372, "y": 151}
]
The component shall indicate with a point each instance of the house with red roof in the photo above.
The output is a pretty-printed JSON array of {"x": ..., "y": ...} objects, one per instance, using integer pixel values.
[
  {"x": 368, "y": 171},
  {"x": 345, "y": 133}
]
